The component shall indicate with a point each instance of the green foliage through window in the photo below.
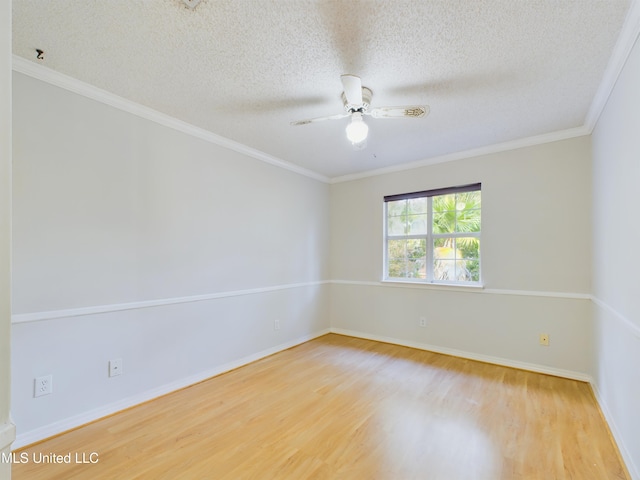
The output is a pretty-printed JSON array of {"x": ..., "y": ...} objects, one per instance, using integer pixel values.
[{"x": 434, "y": 238}]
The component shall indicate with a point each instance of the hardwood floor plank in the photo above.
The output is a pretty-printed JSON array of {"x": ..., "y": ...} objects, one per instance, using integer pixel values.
[{"x": 345, "y": 408}]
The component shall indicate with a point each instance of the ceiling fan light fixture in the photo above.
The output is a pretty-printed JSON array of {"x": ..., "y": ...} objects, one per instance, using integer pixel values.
[{"x": 357, "y": 130}]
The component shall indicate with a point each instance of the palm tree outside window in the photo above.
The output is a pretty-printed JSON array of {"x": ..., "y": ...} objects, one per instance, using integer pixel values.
[{"x": 433, "y": 236}]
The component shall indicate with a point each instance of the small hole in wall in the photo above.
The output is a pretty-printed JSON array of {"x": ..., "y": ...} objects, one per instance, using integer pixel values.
[{"x": 191, "y": 3}]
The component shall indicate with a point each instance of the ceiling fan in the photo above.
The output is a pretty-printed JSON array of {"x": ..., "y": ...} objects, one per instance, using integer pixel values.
[{"x": 357, "y": 100}]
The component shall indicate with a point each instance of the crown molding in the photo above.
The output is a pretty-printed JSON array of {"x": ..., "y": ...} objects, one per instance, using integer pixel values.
[
  {"x": 52, "y": 77},
  {"x": 474, "y": 152},
  {"x": 626, "y": 40}
]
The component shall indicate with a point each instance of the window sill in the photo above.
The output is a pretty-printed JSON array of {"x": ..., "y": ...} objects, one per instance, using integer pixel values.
[{"x": 435, "y": 286}]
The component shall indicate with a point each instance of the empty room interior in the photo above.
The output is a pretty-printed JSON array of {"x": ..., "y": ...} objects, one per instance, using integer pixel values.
[{"x": 320, "y": 239}]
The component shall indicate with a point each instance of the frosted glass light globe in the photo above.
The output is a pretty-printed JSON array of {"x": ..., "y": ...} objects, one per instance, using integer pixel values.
[{"x": 357, "y": 130}]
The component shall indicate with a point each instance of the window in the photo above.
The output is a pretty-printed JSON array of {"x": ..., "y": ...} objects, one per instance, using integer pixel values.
[{"x": 434, "y": 236}]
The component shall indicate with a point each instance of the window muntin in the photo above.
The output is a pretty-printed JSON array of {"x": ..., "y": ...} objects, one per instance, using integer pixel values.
[{"x": 434, "y": 236}]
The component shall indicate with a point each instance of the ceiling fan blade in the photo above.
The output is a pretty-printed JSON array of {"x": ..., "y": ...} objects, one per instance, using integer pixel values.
[
  {"x": 352, "y": 89},
  {"x": 320, "y": 119},
  {"x": 412, "y": 111}
]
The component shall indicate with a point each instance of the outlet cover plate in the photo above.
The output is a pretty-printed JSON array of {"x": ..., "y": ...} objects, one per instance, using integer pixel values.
[
  {"x": 115, "y": 367},
  {"x": 43, "y": 386}
]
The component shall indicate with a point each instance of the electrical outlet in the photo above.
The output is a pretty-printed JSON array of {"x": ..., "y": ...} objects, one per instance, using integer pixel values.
[
  {"x": 43, "y": 386},
  {"x": 422, "y": 321},
  {"x": 544, "y": 339},
  {"x": 276, "y": 324},
  {"x": 115, "y": 367}
]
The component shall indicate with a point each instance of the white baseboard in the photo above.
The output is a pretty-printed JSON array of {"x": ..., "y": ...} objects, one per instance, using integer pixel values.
[
  {"x": 7, "y": 435},
  {"x": 39, "y": 434},
  {"x": 633, "y": 469},
  {"x": 532, "y": 367}
]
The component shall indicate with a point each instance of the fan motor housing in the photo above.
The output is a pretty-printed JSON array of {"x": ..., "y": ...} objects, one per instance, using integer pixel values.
[{"x": 366, "y": 101}]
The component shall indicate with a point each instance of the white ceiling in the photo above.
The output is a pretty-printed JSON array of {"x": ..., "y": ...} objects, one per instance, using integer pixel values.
[{"x": 492, "y": 71}]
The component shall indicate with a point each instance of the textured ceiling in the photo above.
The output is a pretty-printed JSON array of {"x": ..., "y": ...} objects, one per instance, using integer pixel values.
[{"x": 491, "y": 70}]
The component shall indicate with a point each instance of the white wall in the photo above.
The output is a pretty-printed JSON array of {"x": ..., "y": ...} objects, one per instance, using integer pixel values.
[
  {"x": 6, "y": 428},
  {"x": 131, "y": 241},
  {"x": 616, "y": 264},
  {"x": 535, "y": 261},
  {"x": 136, "y": 241}
]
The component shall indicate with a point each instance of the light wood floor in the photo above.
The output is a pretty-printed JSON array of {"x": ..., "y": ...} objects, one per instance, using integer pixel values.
[{"x": 345, "y": 408}]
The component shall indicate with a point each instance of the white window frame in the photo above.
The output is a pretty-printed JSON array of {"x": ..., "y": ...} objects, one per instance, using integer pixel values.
[{"x": 429, "y": 237}]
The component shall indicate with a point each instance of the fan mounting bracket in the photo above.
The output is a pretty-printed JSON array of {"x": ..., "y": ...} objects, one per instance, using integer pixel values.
[{"x": 366, "y": 102}]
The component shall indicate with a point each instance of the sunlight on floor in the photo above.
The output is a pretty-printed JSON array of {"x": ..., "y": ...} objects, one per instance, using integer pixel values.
[{"x": 416, "y": 436}]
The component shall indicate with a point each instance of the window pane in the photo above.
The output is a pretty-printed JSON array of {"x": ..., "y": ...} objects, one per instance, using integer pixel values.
[
  {"x": 417, "y": 224},
  {"x": 444, "y": 256},
  {"x": 417, "y": 205},
  {"x": 397, "y": 257},
  {"x": 440, "y": 242},
  {"x": 444, "y": 249},
  {"x": 397, "y": 217},
  {"x": 444, "y": 213},
  {"x": 456, "y": 270},
  {"x": 416, "y": 256},
  {"x": 444, "y": 221},
  {"x": 444, "y": 202},
  {"x": 407, "y": 258},
  {"x": 468, "y": 212},
  {"x": 397, "y": 225},
  {"x": 468, "y": 221},
  {"x": 473, "y": 269},
  {"x": 467, "y": 247},
  {"x": 455, "y": 259},
  {"x": 444, "y": 270},
  {"x": 397, "y": 208},
  {"x": 397, "y": 268}
]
